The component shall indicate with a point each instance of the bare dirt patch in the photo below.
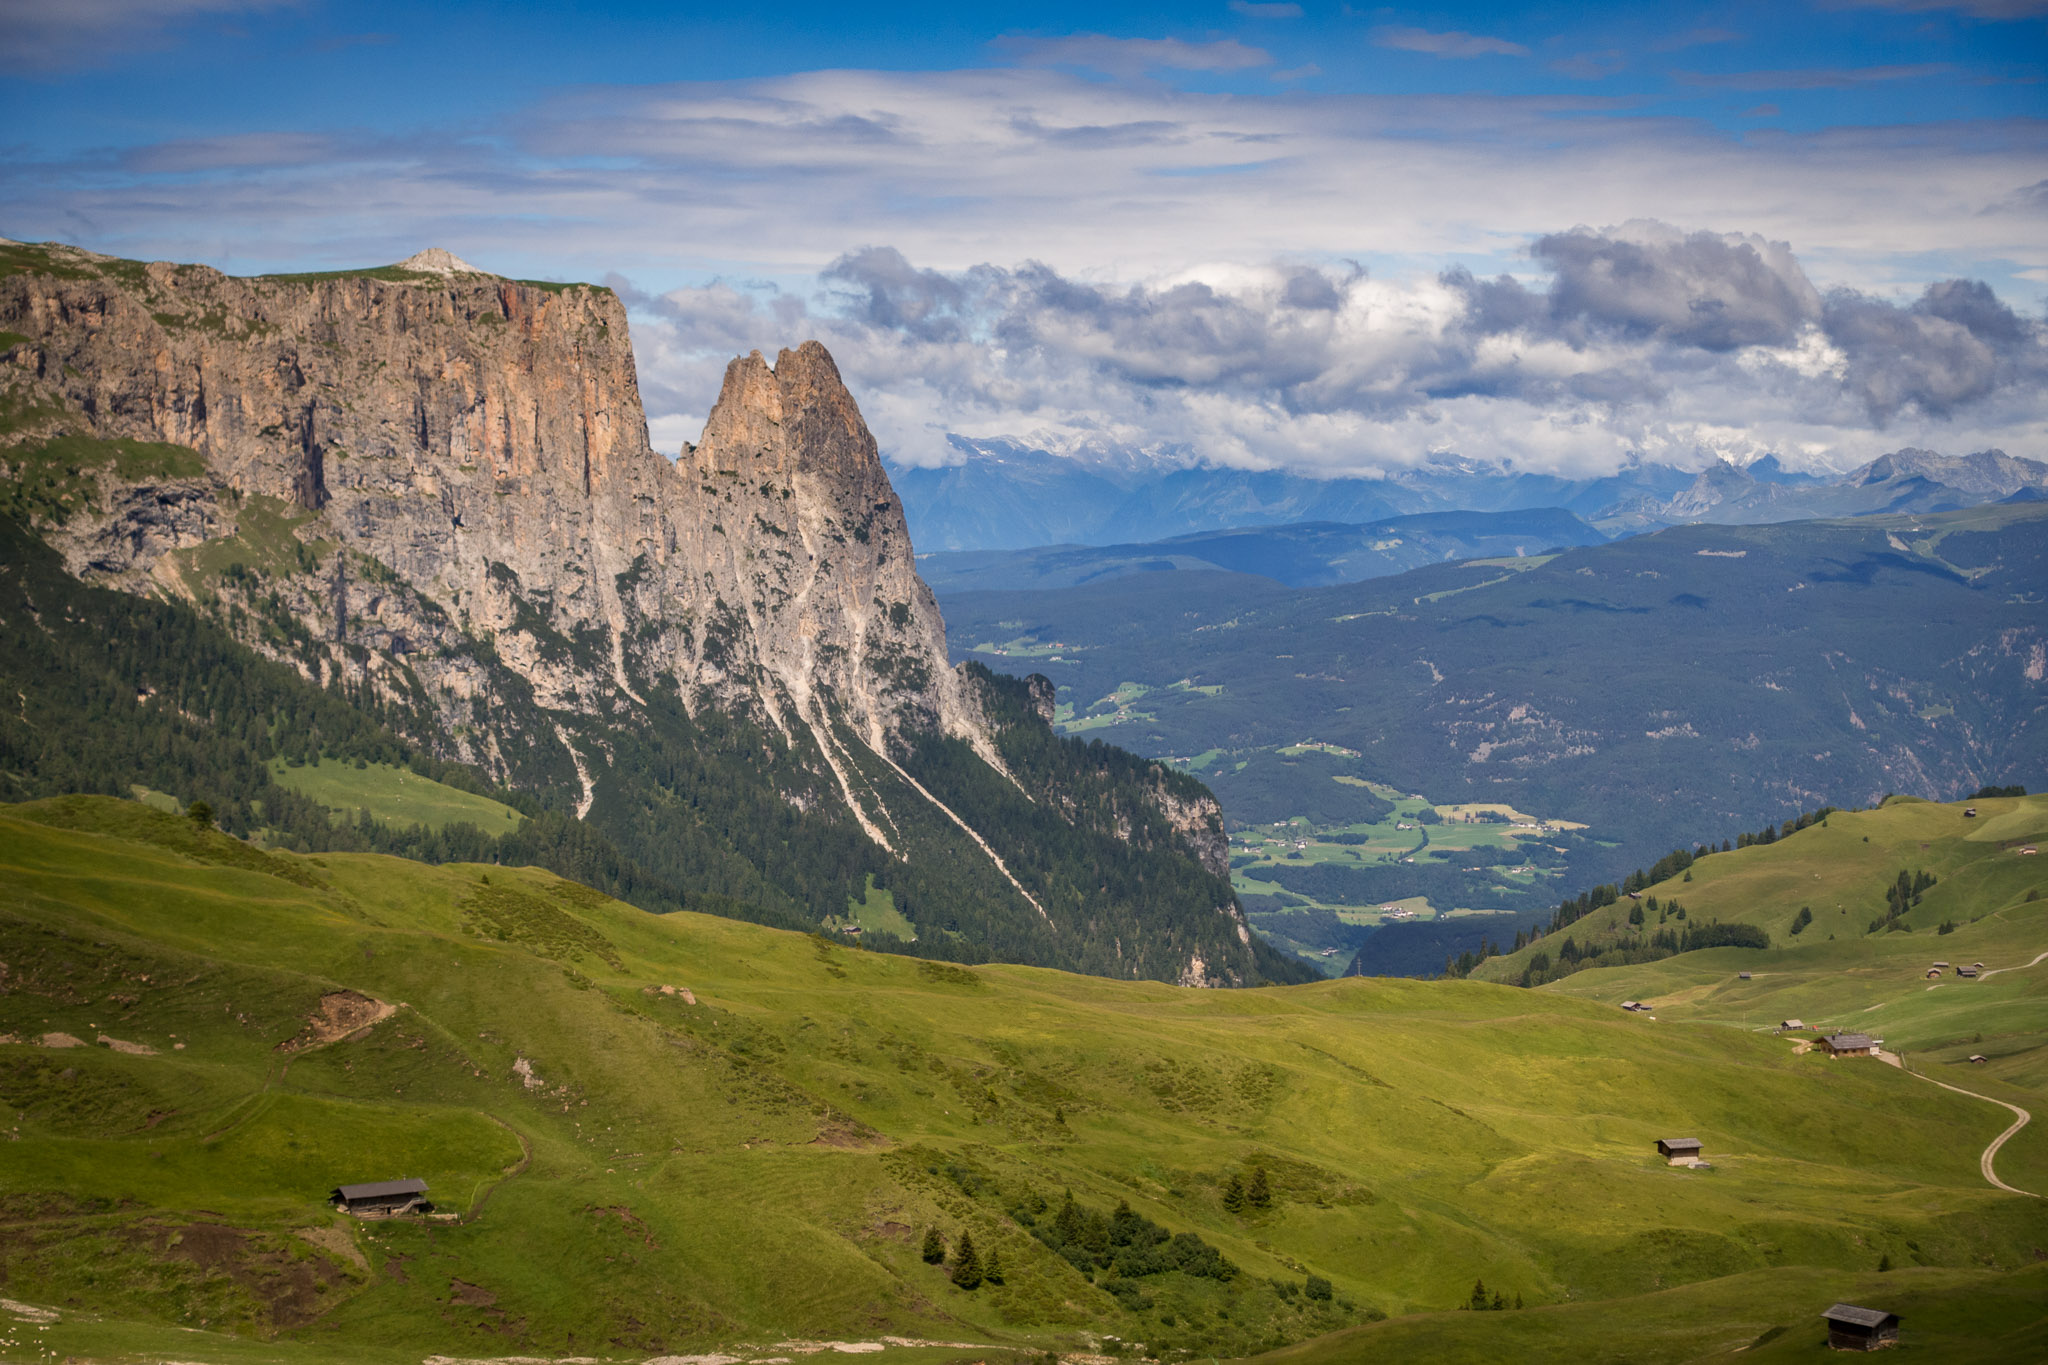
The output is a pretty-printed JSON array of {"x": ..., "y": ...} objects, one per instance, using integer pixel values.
[
  {"x": 132, "y": 1049},
  {"x": 342, "y": 1015},
  {"x": 471, "y": 1295},
  {"x": 337, "y": 1242},
  {"x": 288, "y": 1289}
]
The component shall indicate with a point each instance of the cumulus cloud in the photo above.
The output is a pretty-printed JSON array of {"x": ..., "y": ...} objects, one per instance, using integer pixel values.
[{"x": 1642, "y": 342}]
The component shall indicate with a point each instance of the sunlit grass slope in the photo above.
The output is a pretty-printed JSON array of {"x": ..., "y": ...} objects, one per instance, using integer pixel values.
[
  {"x": 394, "y": 795},
  {"x": 757, "y": 1155}
]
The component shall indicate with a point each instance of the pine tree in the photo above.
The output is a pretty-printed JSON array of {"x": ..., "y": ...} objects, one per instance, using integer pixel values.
[
  {"x": 1478, "y": 1302},
  {"x": 993, "y": 1270},
  {"x": 200, "y": 814},
  {"x": 1518, "y": 1300},
  {"x": 967, "y": 1272},
  {"x": 1884, "y": 1263},
  {"x": 1259, "y": 1194},
  {"x": 934, "y": 1247},
  {"x": 1233, "y": 1195}
]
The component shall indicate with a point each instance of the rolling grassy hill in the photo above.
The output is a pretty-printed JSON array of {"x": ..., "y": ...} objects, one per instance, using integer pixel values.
[
  {"x": 658, "y": 1133},
  {"x": 1836, "y": 973}
]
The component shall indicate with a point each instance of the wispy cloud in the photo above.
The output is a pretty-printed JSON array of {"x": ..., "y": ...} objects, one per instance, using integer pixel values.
[
  {"x": 1455, "y": 43},
  {"x": 1813, "y": 78},
  {"x": 1133, "y": 56},
  {"x": 1251, "y": 10},
  {"x": 1695, "y": 37},
  {"x": 1591, "y": 66},
  {"x": 50, "y": 35},
  {"x": 1977, "y": 9}
]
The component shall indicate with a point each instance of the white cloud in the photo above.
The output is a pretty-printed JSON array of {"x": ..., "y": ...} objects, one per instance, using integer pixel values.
[
  {"x": 42, "y": 35},
  {"x": 1455, "y": 43}
]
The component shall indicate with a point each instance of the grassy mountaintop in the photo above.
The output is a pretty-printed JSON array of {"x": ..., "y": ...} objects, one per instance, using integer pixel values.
[{"x": 757, "y": 1154}]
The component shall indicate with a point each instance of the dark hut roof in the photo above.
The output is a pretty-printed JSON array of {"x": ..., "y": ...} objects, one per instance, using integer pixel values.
[
  {"x": 1852, "y": 1040},
  {"x": 1862, "y": 1317},
  {"x": 1676, "y": 1143},
  {"x": 381, "y": 1189}
]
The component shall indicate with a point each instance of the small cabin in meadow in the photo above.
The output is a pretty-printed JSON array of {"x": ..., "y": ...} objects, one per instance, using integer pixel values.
[
  {"x": 1969, "y": 812},
  {"x": 1861, "y": 1329},
  {"x": 1849, "y": 1045},
  {"x": 1978, "y": 1059},
  {"x": 1941, "y": 966},
  {"x": 1791, "y": 1026},
  {"x": 1967, "y": 973},
  {"x": 1742, "y": 976},
  {"x": 1679, "y": 1151},
  {"x": 1933, "y": 972},
  {"x": 382, "y": 1198}
]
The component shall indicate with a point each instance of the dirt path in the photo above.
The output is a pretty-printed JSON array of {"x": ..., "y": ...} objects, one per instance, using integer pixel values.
[
  {"x": 1990, "y": 1152},
  {"x": 2022, "y": 967}
]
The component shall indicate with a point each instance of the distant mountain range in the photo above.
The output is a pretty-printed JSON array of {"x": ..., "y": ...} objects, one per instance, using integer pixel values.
[
  {"x": 1302, "y": 555},
  {"x": 1008, "y": 495}
]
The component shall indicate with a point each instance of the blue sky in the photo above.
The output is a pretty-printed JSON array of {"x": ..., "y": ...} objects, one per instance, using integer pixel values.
[{"x": 747, "y": 173}]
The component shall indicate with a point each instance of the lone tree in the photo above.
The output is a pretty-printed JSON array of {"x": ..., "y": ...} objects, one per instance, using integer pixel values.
[
  {"x": 993, "y": 1270},
  {"x": 200, "y": 814},
  {"x": 1478, "y": 1301},
  {"x": 1259, "y": 1194},
  {"x": 1233, "y": 1194},
  {"x": 967, "y": 1271},
  {"x": 1316, "y": 1287},
  {"x": 934, "y": 1247}
]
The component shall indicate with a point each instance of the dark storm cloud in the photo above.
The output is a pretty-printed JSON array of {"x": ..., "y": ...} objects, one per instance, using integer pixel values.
[
  {"x": 1704, "y": 289},
  {"x": 1955, "y": 344},
  {"x": 879, "y": 288}
]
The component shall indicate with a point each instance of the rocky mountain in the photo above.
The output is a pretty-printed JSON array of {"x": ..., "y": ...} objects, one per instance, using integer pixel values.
[
  {"x": 432, "y": 489},
  {"x": 1006, "y": 495},
  {"x": 1904, "y": 481},
  {"x": 1010, "y": 495}
]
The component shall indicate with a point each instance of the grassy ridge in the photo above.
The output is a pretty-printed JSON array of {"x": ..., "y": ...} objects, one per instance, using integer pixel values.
[{"x": 638, "y": 1172}]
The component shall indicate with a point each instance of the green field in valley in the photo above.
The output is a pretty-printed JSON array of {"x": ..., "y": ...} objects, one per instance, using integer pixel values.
[
  {"x": 682, "y": 1133},
  {"x": 1324, "y": 922}
]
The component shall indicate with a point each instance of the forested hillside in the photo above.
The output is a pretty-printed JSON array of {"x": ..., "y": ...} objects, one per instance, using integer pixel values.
[{"x": 1656, "y": 690}]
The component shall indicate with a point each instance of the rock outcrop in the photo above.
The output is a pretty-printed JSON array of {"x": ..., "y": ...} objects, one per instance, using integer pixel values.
[
  {"x": 467, "y": 457},
  {"x": 435, "y": 487}
]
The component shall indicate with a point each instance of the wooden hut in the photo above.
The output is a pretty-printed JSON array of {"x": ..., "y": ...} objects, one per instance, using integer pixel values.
[
  {"x": 1849, "y": 1045},
  {"x": 1861, "y": 1329},
  {"x": 1742, "y": 976},
  {"x": 1967, "y": 973},
  {"x": 1933, "y": 972},
  {"x": 1679, "y": 1151},
  {"x": 1978, "y": 1059},
  {"x": 382, "y": 1198},
  {"x": 1792, "y": 1026}
]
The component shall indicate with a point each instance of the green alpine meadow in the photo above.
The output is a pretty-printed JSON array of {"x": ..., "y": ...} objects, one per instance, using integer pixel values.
[{"x": 656, "y": 1135}]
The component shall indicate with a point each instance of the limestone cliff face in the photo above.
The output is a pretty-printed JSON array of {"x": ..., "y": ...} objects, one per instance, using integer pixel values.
[
  {"x": 436, "y": 485},
  {"x": 469, "y": 457}
]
